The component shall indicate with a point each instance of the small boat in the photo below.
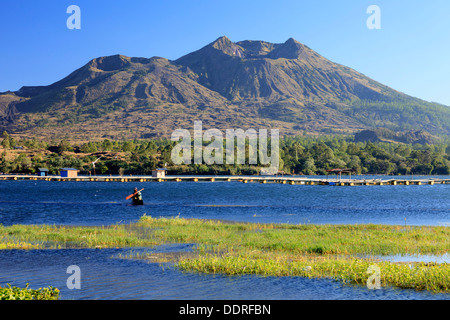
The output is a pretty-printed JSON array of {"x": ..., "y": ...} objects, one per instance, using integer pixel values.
[{"x": 136, "y": 197}]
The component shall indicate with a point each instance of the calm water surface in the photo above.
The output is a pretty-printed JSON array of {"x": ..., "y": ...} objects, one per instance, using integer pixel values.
[
  {"x": 105, "y": 276},
  {"x": 103, "y": 203}
]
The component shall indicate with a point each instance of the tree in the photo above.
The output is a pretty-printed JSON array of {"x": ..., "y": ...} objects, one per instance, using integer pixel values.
[
  {"x": 309, "y": 166},
  {"x": 355, "y": 164},
  {"x": 128, "y": 146},
  {"x": 323, "y": 155},
  {"x": 6, "y": 140},
  {"x": 403, "y": 150},
  {"x": 88, "y": 147},
  {"x": 64, "y": 145},
  {"x": 298, "y": 150},
  {"x": 353, "y": 148},
  {"x": 107, "y": 145}
]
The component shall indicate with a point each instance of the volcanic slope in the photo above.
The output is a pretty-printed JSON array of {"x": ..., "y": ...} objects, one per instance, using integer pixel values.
[{"x": 247, "y": 84}]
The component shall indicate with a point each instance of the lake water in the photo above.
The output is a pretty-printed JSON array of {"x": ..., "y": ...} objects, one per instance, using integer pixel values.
[{"x": 105, "y": 276}]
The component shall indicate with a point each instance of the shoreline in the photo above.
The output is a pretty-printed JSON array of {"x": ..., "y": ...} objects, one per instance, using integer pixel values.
[{"x": 292, "y": 180}]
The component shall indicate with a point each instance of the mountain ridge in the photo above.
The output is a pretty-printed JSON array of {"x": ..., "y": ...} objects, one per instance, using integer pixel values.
[{"x": 249, "y": 83}]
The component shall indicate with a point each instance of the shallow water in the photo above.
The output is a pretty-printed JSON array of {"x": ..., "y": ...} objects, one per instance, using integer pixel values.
[
  {"x": 445, "y": 258},
  {"x": 105, "y": 276}
]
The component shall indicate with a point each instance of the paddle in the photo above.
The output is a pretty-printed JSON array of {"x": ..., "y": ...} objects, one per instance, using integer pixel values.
[{"x": 131, "y": 195}]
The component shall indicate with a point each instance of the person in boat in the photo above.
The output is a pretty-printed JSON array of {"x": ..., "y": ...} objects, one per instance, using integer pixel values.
[{"x": 137, "y": 197}]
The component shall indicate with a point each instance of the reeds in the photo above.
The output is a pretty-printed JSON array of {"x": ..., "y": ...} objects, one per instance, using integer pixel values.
[{"x": 419, "y": 276}]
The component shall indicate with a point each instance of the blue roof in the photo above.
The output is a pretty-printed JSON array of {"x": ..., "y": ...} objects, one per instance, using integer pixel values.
[{"x": 68, "y": 169}]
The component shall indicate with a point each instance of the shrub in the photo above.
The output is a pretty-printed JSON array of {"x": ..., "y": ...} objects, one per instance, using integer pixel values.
[{"x": 15, "y": 293}]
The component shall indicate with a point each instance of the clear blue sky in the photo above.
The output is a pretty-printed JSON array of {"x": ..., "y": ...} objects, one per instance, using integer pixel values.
[{"x": 410, "y": 52}]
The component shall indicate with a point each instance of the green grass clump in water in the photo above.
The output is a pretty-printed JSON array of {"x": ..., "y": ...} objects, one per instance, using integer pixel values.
[
  {"x": 419, "y": 276},
  {"x": 305, "y": 239},
  {"x": 310, "y": 250},
  {"x": 50, "y": 236},
  {"x": 15, "y": 293},
  {"x": 266, "y": 249}
]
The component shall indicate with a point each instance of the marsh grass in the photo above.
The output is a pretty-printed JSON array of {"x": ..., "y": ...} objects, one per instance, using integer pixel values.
[
  {"x": 310, "y": 250},
  {"x": 57, "y": 237},
  {"x": 304, "y": 239},
  {"x": 232, "y": 248},
  {"x": 15, "y": 293}
]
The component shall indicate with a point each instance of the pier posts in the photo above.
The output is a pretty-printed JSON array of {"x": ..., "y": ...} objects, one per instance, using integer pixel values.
[{"x": 243, "y": 179}]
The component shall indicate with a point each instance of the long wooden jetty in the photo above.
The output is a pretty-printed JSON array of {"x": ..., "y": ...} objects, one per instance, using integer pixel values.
[{"x": 292, "y": 180}]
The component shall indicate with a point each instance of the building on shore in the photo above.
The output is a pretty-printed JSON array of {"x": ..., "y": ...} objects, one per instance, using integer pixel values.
[
  {"x": 159, "y": 173},
  {"x": 42, "y": 172},
  {"x": 68, "y": 173}
]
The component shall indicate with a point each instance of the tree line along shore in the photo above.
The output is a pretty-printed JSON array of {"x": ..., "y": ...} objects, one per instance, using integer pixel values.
[{"x": 300, "y": 155}]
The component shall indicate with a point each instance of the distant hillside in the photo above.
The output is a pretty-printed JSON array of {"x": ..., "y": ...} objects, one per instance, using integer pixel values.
[
  {"x": 386, "y": 135},
  {"x": 226, "y": 85}
]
